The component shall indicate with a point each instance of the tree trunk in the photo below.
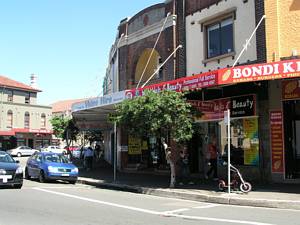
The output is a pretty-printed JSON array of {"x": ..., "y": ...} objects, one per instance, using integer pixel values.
[{"x": 173, "y": 174}]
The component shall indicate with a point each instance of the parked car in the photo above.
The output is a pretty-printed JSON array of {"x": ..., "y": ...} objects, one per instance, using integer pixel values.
[
  {"x": 21, "y": 151},
  {"x": 54, "y": 149},
  {"x": 11, "y": 173},
  {"x": 50, "y": 166}
]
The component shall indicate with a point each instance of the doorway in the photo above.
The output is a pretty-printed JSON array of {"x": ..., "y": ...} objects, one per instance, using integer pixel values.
[
  {"x": 292, "y": 138},
  {"x": 30, "y": 143}
]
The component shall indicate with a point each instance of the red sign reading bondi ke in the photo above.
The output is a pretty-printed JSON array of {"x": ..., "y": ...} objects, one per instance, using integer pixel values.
[{"x": 259, "y": 72}]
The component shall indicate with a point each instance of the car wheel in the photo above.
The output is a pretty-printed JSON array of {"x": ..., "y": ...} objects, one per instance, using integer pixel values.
[
  {"x": 27, "y": 177},
  {"x": 19, "y": 154},
  {"x": 72, "y": 181},
  {"x": 18, "y": 186},
  {"x": 42, "y": 177}
]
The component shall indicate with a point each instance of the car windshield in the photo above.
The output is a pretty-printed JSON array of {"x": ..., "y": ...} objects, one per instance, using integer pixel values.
[
  {"x": 6, "y": 158},
  {"x": 56, "y": 158}
]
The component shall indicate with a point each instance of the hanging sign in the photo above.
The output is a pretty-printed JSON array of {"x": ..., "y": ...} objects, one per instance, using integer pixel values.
[
  {"x": 290, "y": 89},
  {"x": 277, "y": 143}
]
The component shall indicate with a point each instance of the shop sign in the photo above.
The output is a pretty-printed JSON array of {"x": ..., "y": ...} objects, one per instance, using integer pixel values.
[
  {"x": 277, "y": 142},
  {"x": 134, "y": 146},
  {"x": 242, "y": 106},
  {"x": 113, "y": 98},
  {"x": 251, "y": 141},
  {"x": 182, "y": 84},
  {"x": 290, "y": 89},
  {"x": 260, "y": 72}
]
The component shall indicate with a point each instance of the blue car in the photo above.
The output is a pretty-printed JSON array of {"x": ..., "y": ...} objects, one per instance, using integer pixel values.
[{"x": 50, "y": 166}]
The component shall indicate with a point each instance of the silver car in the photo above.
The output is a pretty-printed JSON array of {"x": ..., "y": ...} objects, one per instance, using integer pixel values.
[{"x": 21, "y": 151}]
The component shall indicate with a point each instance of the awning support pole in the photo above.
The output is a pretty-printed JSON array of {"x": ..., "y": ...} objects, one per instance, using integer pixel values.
[{"x": 115, "y": 152}]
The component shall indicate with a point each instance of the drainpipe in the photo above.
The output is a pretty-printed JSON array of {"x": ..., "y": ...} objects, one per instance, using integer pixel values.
[{"x": 174, "y": 39}]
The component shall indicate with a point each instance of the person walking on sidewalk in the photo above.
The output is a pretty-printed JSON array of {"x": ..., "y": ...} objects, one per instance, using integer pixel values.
[
  {"x": 184, "y": 170},
  {"x": 212, "y": 157},
  {"x": 170, "y": 161},
  {"x": 88, "y": 158}
]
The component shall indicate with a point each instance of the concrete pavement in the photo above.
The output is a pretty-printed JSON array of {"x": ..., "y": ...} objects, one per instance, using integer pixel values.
[{"x": 284, "y": 196}]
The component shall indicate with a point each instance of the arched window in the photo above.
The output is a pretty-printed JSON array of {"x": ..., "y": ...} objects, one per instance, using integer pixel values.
[
  {"x": 9, "y": 119},
  {"x": 43, "y": 120},
  {"x": 152, "y": 66},
  {"x": 26, "y": 120}
]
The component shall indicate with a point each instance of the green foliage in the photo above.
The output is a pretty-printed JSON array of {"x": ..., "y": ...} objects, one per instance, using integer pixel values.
[
  {"x": 156, "y": 114},
  {"x": 94, "y": 135},
  {"x": 59, "y": 125},
  {"x": 71, "y": 131}
]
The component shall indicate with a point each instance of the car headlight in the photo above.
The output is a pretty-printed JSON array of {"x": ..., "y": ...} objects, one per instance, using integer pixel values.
[
  {"x": 19, "y": 170},
  {"x": 52, "y": 169},
  {"x": 75, "y": 170}
]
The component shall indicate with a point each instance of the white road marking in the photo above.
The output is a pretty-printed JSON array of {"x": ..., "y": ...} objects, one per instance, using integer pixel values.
[
  {"x": 175, "y": 211},
  {"x": 151, "y": 211},
  {"x": 205, "y": 206}
]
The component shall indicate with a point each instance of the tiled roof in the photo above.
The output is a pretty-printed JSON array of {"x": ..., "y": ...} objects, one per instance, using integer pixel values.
[
  {"x": 64, "y": 105},
  {"x": 7, "y": 82}
]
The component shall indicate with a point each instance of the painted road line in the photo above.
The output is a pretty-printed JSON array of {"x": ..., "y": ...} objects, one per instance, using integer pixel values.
[
  {"x": 176, "y": 211},
  {"x": 151, "y": 211},
  {"x": 205, "y": 206}
]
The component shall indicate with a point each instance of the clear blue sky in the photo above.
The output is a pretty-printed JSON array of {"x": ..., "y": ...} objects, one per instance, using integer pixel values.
[{"x": 64, "y": 42}]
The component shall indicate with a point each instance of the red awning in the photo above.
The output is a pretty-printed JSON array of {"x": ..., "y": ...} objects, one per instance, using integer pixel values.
[
  {"x": 7, "y": 133},
  {"x": 240, "y": 74}
]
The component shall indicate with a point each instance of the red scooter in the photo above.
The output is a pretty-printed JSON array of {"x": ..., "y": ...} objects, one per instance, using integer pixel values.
[{"x": 237, "y": 181}]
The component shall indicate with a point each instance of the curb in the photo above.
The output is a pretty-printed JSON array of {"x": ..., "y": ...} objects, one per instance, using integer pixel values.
[{"x": 280, "y": 204}]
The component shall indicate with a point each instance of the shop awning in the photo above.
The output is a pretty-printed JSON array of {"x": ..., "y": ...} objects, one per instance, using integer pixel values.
[{"x": 93, "y": 113}]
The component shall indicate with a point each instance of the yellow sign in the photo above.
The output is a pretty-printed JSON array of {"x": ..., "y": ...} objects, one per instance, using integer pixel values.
[{"x": 134, "y": 146}]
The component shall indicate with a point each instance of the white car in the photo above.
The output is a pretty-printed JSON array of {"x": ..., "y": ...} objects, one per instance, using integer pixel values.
[
  {"x": 21, "y": 151},
  {"x": 55, "y": 149}
]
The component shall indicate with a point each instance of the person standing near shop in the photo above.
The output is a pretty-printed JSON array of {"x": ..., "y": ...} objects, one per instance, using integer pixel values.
[
  {"x": 212, "y": 156},
  {"x": 170, "y": 161},
  {"x": 88, "y": 158}
]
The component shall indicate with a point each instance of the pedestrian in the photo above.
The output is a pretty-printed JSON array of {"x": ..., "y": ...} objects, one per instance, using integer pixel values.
[
  {"x": 88, "y": 158},
  {"x": 170, "y": 161},
  {"x": 97, "y": 152},
  {"x": 212, "y": 155},
  {"x": 184, "y": 170}
]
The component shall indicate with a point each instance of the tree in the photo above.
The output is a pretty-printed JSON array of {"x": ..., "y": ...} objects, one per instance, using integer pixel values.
[
  {"x": 152, "y": 114},
  {"x": 70, "y": 132},
  {"x": 156, "y": 114},
  {"x": 59, "y": 125}
]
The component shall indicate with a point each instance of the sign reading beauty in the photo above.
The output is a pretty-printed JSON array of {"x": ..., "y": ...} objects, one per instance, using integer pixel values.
[
  {"x": 259, "y": 72},
  {"x": 182, "y": 84}
]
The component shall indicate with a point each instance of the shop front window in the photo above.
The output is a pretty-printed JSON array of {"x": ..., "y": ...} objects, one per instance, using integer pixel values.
[{"x": 244, "y": 146}]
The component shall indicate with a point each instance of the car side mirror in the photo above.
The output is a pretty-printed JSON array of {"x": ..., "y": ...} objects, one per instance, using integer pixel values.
[{"x": 17, "y": 161}]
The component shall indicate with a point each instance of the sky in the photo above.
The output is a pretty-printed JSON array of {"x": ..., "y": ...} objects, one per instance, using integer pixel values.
[{"x": 66, "y": 43}]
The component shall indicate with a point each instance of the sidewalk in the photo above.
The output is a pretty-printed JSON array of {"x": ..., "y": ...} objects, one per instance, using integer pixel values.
[{"x": 284, "y": 196}]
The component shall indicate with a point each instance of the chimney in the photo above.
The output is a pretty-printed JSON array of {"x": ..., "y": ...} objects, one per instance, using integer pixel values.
[{"x": 33, "y": 81}]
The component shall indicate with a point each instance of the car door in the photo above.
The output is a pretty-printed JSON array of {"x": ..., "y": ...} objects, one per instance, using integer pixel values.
[
  {"x": 35, "y": 165},
  {"x": 27, "y": 151},
  {"x": 30, "y": 165}
]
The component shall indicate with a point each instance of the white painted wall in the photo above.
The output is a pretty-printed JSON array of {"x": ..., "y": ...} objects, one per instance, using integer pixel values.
[{"x": 243, "y": 27}]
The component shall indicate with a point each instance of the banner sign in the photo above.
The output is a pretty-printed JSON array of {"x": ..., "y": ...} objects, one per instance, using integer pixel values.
[
  {"x": 277, "y": 141},
  {"x": 134, "y": 146},
  {"x": 241, "y": 106},
  {"x": 183, "y": 84},
  {"x": 251, "y": 152},
  {"x": 290, "y": 89},
  {"x": 259, "y": 72}
]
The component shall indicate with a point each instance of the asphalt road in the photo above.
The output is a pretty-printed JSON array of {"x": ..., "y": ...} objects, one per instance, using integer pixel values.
[{"x": 65, "y": 204}]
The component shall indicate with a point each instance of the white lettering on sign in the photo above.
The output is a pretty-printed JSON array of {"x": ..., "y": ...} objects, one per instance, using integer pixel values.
[
  {"x": 265, "y": 70},
  {"x": 236, "y": 104}
]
